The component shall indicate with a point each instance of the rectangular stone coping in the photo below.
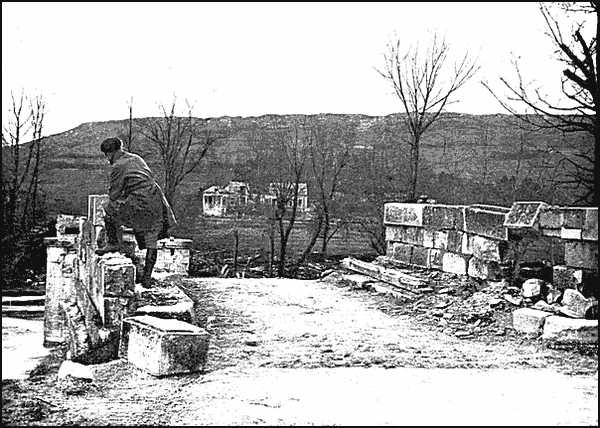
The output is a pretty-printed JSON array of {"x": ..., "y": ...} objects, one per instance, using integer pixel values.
[
  {"x": 174, "y": 243},
  {"x": 165, "y": 325},
  {"x": 60, "y": 241},
  {"x": 530, "y": 221},
  {"x": 492, "y": 208}
]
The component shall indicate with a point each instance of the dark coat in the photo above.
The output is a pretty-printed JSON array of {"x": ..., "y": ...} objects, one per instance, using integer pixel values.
[{"x": 135, "y": 198}]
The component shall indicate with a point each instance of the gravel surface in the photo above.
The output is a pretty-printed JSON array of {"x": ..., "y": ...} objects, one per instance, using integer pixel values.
[{"x": 288, "y": 352}]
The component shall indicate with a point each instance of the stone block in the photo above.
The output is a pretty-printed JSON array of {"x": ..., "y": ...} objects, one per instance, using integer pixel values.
[
  {"x": 407, "y": 234},
  {"x": 487, "y": 249},
  {"x": 164, "y": 346},
  {"x": 428, "y": 238},
  {"x": 533, "y": 287},
  {"x": 116, "y": 273},
  {"x": 563, "y": 330},
  {"x": 485, "y": 222},
  {"x": 68, "y": 224},
  {"x": 573, "y": 218},
  {"x": 96, "y": 209},
  {"x": 551, "y": 218},
  {"x": 564, "y": 277},
  {"x": 402, "y": 214},
  {"x": 116, "y": 309},
  {"x": 434, "y": 259},
  {"x": 419, "y": 256},
  {"x": 173, "y": 256},
  {"x": 401, "y": 252},
  {"x": 590, "y": 226},
  {"x": 530, "y": 321},
  {"x": 454, "y": 263},
  {"x": 183, "y": 311},
  {"x": 443, "y": 216},
  {"x": 574, "y": 234},
  {"x": 467, "y": 244},
  {"x": 455, "y": 239},
  {"x": 524, "y": 215},
  {"x": 555, "y": 233},
  {"x": 483, "y": 269},
  {"x": 575, "y": 304},
  {"x": 440, "y": 239},
  {"x": 583, "y": 254}
]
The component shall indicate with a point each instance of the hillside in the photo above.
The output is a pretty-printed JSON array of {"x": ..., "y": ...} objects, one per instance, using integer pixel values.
[{"x": 470, "y": 147}]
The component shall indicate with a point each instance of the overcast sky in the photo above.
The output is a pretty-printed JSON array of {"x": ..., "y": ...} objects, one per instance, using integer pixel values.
[{"x": 249, "y": 59}]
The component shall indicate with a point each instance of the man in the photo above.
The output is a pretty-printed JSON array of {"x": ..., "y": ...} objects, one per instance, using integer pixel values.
[{"x": 137, "y": 201}]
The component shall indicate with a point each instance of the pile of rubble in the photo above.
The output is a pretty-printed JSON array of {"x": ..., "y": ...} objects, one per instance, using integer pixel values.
[{"x": 463, "y": 306}]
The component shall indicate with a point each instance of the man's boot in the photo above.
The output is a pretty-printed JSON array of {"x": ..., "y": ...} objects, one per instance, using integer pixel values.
[
  {"x": 151, "y": 254},
  {"x": 114, "y": 238}
]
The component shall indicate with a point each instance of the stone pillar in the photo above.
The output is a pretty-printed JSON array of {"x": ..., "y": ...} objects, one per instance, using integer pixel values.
[{"x": 61, "y": 274}]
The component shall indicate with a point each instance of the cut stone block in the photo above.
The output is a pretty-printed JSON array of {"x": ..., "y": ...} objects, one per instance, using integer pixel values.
[
  {"x": 68, "y": 224},
  {"x": 402, "y": 214},
  {"x": 575, "y": 303},
  {"x": 117, "y": 273},
  {"x": 96, "y": 209},
  {"x": 183, "y": 311},
  {"x": 570, "y": 233},
  {"x": 440, "y": 240},
  {"x": 455, "y": 239},
  {"x": 564, "y": 277},
  {"x": 563, "y": 330},
  {"x": 454, "y": 263},
  {"x": 117, "y": 308},
  {"x": 164, "y": 346},
  {"x": 419, "y": 256},
  {"x": 443, "y": 216},
  {"x": 401, "y": 252},
  {"x": 582, "y": 254},
  {"x": 428, "y": 238},
  {"x": 434, "y": 259},
  {"x": 485, "y": 222},
  {"x": 487, "y": 249},
  {"x": 533, "y": 287},
  {"x": 590, "y": 226},
  {"x": 407, "y": 234},
  {"x": 530, "y": 321},
  {"x": 555, "y": 233},
  {"x": 467, "y": 244},
  {"x": 483, "y": 269},
  {"x": 173, "y": 256},
  {"x": 524, "y": 215},
  {"x": 551, "y": 218},
  {"x": 574, "y": 218}
]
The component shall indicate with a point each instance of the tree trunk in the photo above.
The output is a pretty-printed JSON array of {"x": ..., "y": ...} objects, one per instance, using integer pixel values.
[{"x": 414, "y": 170}]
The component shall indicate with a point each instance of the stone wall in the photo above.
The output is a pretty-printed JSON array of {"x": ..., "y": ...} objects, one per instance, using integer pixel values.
[
  {"x": 481, "y": 240},
  {"x": 87, "y": 296}
]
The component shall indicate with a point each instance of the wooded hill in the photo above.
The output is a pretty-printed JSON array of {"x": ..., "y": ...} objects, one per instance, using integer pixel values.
[{"x": 466, "y": 153}]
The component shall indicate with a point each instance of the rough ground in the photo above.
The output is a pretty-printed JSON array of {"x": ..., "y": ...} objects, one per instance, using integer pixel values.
[{"x": 312, "y": 352}]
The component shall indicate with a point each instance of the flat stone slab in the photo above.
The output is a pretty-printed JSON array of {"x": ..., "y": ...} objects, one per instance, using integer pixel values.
[
  {"x": 403, "y": 214},
  {"x": 529, "y": 321},
  {"x": 485, "y": 222},
  {"x": 524, "y": 215},
  {"x": 563, "y": 330},
  {"x": 164, "y": 346}
]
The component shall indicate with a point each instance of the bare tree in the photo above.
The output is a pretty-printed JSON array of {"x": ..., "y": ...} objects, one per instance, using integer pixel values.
[
  {"x": 289, "y": 149},
  {"x": 329, "y": 153},
  {"x": 425, "y": 87},
  {"x": 182, "y": 143},
  {"x": 579, "y": 111}
]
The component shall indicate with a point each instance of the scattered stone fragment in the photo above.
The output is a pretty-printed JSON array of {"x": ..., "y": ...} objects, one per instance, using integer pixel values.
[
  {"x": 76, "y": 370},
  {"x": 562, "y": 330},
  {"x": 574, "y": 304},
  {"x": 532, "y": 287},
  {"x": 530, "y": 321},
  {"x": 513, "y": 300}
]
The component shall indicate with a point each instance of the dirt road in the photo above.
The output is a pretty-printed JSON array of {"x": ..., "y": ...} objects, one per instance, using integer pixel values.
[{"x": 287, "y": 352}]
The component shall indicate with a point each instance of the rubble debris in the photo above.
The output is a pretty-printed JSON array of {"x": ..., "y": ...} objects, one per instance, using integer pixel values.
[{"x": 392, "y": 276}]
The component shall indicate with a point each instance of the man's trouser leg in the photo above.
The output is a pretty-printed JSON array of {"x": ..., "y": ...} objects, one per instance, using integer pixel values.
[
  {"x": 150, "y": 239},
  {"x": 114, "y": 236}
]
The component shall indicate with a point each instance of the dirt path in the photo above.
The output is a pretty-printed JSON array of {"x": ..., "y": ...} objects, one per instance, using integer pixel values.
[
  {"x": 22, "y": 347},
  {"x": 287, "y": 352}
]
